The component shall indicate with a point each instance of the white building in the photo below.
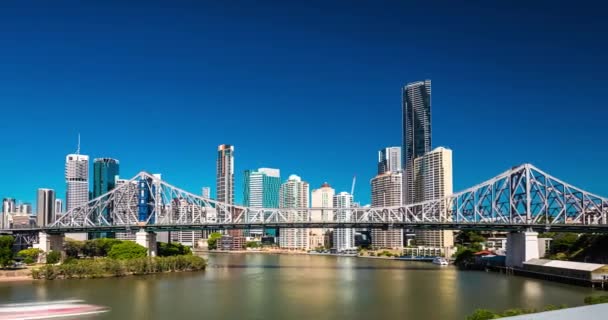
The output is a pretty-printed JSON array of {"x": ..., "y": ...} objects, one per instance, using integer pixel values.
[
  {"x": 294, "y": 194},
  {"x": 58, "y": 207},
  {"x": 206, "y": 192},
  {"x": 321, "y": 198},
  {"x": 433, "y": 180},
  {"x": 387, "y": 192},
  {"x": 125, "y": 204},
  {"x": 77, "y": 185},
  {"x": 344, "y": 238},
  {"x": 389, "y": 159}
]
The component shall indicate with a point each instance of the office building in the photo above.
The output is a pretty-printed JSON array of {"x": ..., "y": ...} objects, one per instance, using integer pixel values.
[
  {"x": 183, "y": 208},
  {"x": 433, "y": 180},
  {"x": 389, "y": 159},
  {"x": 294, "y": 194},
  {"x": 104, "y": 172},
  {"x": 58, "y": 207},
  {"x": 322, "y": 197},
  {"x": 261, "y": 190},
  {"x": 387, "y": 192},
  {"x": 77, "y": 185},
  {"x": 25, "y": 208},
  {"x": 8, "y": 206},
  {"x": 45, "y": 207},
  {"x": 125, "y": 204},
  {"x": 343, "y": 238},
  {"x": 206, "y": 192},
  {"x": 416, "y": 100}
]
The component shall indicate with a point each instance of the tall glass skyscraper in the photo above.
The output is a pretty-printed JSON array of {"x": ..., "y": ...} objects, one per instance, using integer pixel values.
[
  {"x": 261, "y": 190},
  {"x": 45, "y": 207},
  {"x": 416, "y": 99},
  {"x": 389, "y": 159},
  {"x": 105, "y": 171}
]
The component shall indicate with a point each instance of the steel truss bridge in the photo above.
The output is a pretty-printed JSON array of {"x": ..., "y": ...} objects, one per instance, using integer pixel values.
[{"x": 522, "y": 198}]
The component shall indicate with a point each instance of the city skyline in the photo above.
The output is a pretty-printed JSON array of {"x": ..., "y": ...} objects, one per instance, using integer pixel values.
[{"x": 493, "y": 106}]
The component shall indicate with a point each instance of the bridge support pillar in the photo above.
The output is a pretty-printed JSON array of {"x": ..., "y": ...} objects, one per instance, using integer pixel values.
[
  {"x": 47, "y": 243},
  {"x": 521, "y": 246},
  {"x": 148, "y": 240}
]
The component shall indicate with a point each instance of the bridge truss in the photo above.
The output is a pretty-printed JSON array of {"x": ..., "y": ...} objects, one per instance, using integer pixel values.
[{"x": 522, "y": 196}]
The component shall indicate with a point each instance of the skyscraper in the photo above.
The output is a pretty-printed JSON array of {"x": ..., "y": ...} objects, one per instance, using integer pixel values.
[
  {"x": 321, "y": 198},
  {"x": 433, "y": 180},
  {"x": 8, "y": 206},
  {"x": 225, "y": 174},
  {"x": 104, "y": 172},
  {"x": 45, "y": 207},
  {"x": 77, "y": 184},
  {"x": 416, "y": 99},
  {"x": 125, "y": 203},
  {"x": 58, "y": 207},
  {"x": 387, "y": 192},
  {"x": 261, "y": 190},
  {"x": 344, "y": 238},
  {"x": 389, "y": 159},
  {"x": 294, "y": 194},
  {"x": 206, "y": 192}
]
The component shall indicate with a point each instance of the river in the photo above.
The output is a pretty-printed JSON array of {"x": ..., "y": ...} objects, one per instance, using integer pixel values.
[{"x": 263, "y": 286}]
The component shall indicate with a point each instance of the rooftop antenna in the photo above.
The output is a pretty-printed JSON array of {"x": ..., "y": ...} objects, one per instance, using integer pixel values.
[
  {"x": 352, "y": 189},
  {"x": 78, "y": 150}
]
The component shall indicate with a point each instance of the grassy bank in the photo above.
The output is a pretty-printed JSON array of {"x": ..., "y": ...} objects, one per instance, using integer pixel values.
[
  {"x": 484, "y": 314},
  {"x": 108, "y": 267}
]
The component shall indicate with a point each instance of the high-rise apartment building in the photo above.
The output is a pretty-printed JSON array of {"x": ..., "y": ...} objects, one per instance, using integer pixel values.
[
  {"x": 77, "y": 185},
  {"x": 294, "y": 194},
  {"x": 433, "y": 180},
  {"x": 387, "y": 191},
  {"x": 344, "y": 238},
  {"x": 225, "y": 174},
  {"x": 25, "y": 208},
  {"x": 45, "y": 207},
  {"x": 322, "y": 197},
  {"x": 416, "y": 100},
  {"x": 261, "y": 190},
  {"x": 389, "y": 159}
]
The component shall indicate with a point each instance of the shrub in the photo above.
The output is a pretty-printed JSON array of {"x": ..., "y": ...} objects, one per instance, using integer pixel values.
[
  {"x": 172, "y": 249},
  {"x": 127, "y": 250},
  {"x": 29, "y": 255},
  {"x": 53, "y": 257},
  {"x": 596, "y": 299},
  {"x": 212, "y": 241}
]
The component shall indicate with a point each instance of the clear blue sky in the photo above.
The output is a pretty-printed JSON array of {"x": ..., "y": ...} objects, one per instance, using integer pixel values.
[{"x": 312, "y": 88}]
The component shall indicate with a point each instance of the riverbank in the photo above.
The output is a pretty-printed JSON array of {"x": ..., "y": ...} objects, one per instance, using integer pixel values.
[{"x": 15, "y": 275}]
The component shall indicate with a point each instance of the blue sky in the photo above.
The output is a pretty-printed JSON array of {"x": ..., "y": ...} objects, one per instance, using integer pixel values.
[{"x": 312, "y": 87}]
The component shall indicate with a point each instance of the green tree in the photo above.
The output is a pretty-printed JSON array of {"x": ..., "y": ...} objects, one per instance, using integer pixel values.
[
  {"x": 172, "y": 249},
  {"x": 53, "y": 257},
  {"x": 29, "y": 255},
  {"x": 464, "y": 256},
  {"x": 6, "y": 250},
  {"x": 212, "y": 241},
  {"x": 72, "y": 248},
  {"x": 468, "y": 237},
  {"x": 127, "y": 250},
  {"x": 99, "y": 247}
]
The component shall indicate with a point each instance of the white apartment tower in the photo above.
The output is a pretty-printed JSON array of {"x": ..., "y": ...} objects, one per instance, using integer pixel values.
[
  {"x": 294, "y": 194},
  {"x": 344, "y": 238},
  {"x": 45, "y": 207},
  {"x": 387, "y": 192},
  {"x": 321, "y": 198},
  {"x": 433, "y": 180},
  {"x": 77, "y": 185}
]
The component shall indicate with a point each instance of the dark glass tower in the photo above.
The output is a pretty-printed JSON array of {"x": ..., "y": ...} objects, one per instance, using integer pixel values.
[
  {"x": 104, "y": 172},
  {"x": 416, "y": 99}
]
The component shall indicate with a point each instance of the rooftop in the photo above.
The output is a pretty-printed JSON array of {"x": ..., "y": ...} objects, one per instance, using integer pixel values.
[{"x": 572, "y": 265}]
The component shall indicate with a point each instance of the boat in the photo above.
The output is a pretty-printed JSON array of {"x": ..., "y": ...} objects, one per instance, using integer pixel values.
[
  {"x": 49, "y": 310},
  {"x": 440, "y": 261}
]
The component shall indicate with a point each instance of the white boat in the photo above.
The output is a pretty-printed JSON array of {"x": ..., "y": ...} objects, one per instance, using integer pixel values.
[
  {"x": 49, "y": 310},
  {"x": 440, "y": 261}
]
